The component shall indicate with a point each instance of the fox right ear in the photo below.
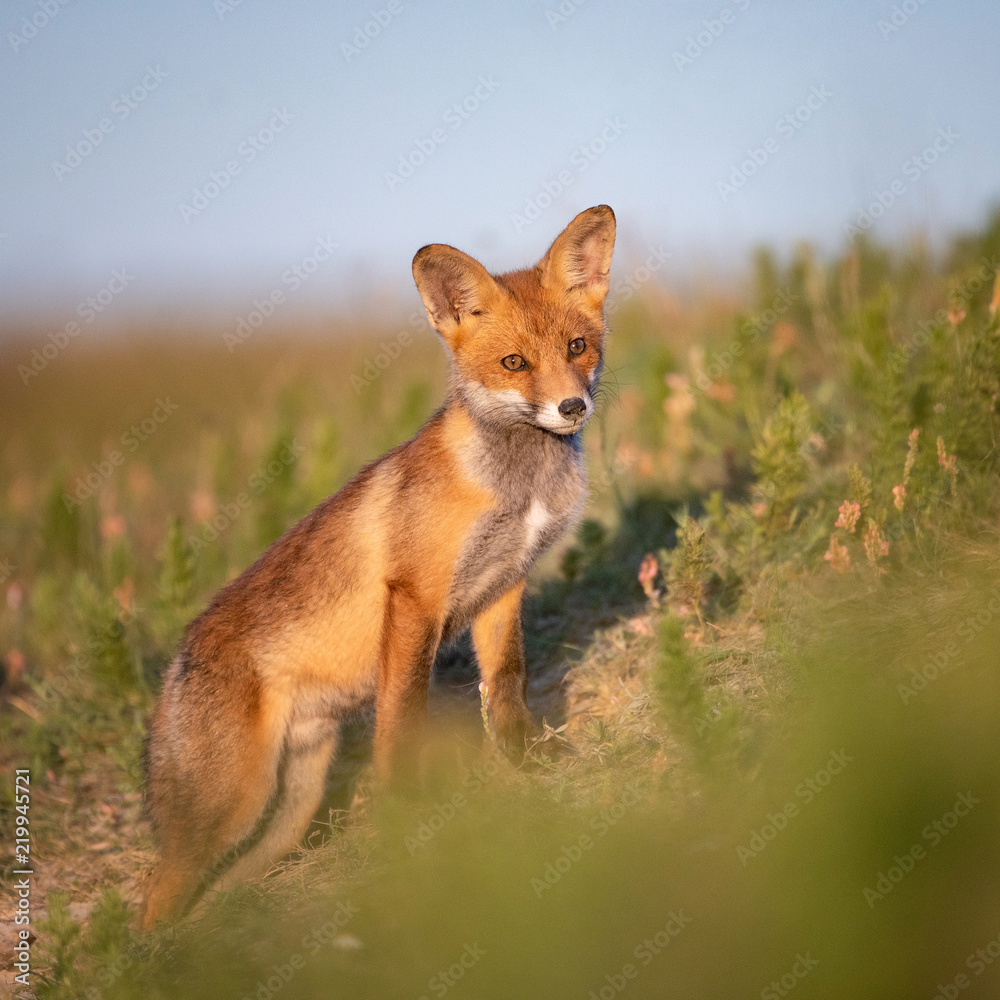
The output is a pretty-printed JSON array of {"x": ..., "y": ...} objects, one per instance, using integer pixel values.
[
  {"x": 578, "y": 262},
  {"x": 454, "y": 287}
]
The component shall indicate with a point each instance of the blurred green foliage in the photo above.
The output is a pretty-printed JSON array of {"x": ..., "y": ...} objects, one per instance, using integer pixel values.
[{"x": 804, "y": 792}]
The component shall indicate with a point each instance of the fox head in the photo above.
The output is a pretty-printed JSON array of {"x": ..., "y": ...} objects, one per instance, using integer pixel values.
[{"x": 527, "y": 346}]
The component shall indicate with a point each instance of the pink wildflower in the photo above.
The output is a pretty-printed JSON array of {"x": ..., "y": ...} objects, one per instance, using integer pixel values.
[
  {"x": 112, "y": 526},
  {"x": 946, "y": 461},
  {"x": 849, "y": 514},
  {"x": 911, "y": 454},
  {"x": 838, "y": 556},
  {"x": 647, "y": 574},
  {"x": 876, "y": 547}
]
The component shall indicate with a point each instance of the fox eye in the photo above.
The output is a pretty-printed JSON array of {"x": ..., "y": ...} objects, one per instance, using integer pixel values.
[
  {"x": 513, "y": 362},
  {"x": 577, "y": 346}
]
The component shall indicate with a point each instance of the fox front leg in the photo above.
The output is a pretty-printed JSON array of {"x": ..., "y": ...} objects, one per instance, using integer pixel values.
[
  {"x": 410, "y": 642},
  {"x": 499, "y": 642}
]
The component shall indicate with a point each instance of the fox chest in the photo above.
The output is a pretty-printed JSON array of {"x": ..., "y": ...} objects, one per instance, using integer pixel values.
[{"x": 503, "y": 544}]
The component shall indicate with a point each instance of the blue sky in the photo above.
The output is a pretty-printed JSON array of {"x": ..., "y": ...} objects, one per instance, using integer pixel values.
[{"x": 648, "y": 107}]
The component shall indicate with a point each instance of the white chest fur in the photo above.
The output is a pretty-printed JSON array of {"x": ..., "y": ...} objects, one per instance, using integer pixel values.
[
  {"x": 536, "y": 522},
  {"x": 538, "y": 482}
]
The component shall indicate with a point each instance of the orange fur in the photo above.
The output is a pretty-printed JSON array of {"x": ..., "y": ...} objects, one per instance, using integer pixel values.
[{"x": 350, "y": 605}]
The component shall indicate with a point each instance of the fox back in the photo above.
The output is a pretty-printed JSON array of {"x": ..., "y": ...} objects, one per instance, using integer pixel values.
[{"x": 351, "y": 604}]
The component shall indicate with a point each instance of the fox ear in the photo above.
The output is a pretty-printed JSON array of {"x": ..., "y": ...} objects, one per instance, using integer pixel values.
[
  {"x": 454, "y": 288},
  {"x": 578, "y": 262}
]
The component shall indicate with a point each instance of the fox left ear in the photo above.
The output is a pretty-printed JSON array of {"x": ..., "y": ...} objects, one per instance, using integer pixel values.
[
  {"x": 455, "y": 288},
  {"x": 579, "y": 260}
]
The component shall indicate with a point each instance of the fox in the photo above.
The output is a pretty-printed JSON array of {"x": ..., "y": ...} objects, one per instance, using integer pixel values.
[{"x": 348, "y": 608}]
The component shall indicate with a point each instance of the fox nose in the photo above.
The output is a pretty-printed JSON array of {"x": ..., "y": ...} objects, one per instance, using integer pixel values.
[{"x": 573, "y": 407}]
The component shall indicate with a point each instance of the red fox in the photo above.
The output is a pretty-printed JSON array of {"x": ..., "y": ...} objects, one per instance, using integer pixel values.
[{"x": 350, "y": 605}]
